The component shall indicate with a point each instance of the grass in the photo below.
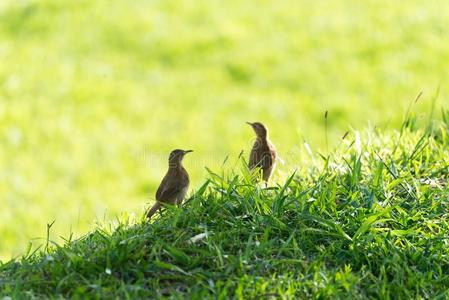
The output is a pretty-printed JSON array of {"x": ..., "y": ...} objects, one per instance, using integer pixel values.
[
  {"x": 94, "y": 93},
  {"x": 369, "y": 220}
]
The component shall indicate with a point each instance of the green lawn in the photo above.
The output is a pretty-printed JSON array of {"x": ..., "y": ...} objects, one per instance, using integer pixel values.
[
  {"x": 369, "y": 221},
  {"x": 94, "y": 94}
]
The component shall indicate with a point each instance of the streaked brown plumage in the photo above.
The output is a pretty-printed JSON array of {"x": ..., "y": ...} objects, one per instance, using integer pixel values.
[
  {"x": 175, "y": 183},
  {"x": 263, "y": 153}
]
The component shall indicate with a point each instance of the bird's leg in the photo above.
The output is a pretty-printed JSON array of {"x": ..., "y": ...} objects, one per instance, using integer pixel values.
[{"x": 179, "y": 203}]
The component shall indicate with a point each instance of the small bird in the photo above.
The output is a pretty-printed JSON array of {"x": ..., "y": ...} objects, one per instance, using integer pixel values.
[
  {"x": 263, "y": 154},
  {"x": 175, "y": 183}
]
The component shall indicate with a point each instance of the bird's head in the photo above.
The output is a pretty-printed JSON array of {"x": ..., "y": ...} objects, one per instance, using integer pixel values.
[
  {"x": 260, "y": 130},
  {"x": 176, "y": 157}
]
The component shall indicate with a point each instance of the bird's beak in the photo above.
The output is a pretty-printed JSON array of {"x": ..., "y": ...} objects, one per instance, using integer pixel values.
[
  {"x": 187, "y": 151},
  {"x": 249, "y": 123}
]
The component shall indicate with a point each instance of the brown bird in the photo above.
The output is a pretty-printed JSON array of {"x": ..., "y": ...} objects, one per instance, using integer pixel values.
[
  {"x": 263, "y": 154},
  {"x": 175, "y": 183}
]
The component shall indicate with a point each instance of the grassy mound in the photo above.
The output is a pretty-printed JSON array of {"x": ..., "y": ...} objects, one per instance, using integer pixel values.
[{"x": 370, "y": 220}]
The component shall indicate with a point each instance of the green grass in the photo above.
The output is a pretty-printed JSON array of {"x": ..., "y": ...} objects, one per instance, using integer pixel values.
[
  {"x": 95, "y": 93},
  {"x": 369, "y": 220}
]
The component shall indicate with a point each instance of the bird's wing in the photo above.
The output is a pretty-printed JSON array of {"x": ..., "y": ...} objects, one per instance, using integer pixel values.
[
  {"x": 253, "y": 159},
  {"x": 267, "y": 160},
  {"x": 268, "y": 157},
  {"x": 161, "y": 187},
  {"x": 168, "y": 190}
]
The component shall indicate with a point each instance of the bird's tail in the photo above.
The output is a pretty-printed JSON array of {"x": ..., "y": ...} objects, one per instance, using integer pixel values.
[{"x": 153, "y": 210}]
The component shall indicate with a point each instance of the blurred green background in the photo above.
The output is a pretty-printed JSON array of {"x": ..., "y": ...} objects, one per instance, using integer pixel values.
[{"x": 95, "y": 93}]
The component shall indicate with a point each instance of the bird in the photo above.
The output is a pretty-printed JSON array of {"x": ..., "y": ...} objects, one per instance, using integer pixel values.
[
  {"x": 263, "y": 154},
  {"x": 174, "y": 185}
]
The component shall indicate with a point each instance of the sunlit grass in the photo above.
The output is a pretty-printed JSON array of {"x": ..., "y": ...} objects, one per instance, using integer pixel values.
[
  {"x": 368, "y": 220},
  {"x": 94, "y": 94}
]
